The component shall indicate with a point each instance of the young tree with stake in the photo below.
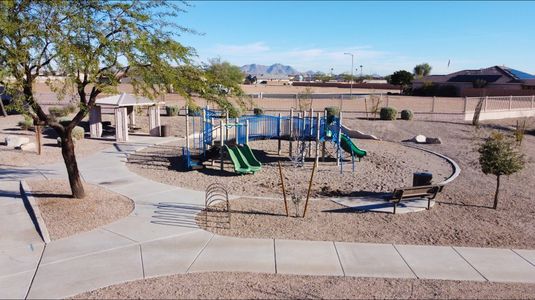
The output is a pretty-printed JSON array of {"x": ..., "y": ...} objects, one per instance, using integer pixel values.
[{"x": 499, "y": 156}]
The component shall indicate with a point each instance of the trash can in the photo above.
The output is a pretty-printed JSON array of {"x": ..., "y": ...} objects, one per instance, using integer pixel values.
[
  {"x": 421, "y": 178},
  {"x": 164, "y": 129}
]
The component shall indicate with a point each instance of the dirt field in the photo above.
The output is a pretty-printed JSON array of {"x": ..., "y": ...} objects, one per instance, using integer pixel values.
[
  {"x": 268, "y": 286},
  {"x": 65, "y": 216},
  {"x": 461, "y": 217}
]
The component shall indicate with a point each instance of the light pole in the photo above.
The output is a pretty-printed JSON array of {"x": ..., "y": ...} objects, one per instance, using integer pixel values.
[
  {"x": 360, "y": 70},
  {"x": 351, "y": 82}
]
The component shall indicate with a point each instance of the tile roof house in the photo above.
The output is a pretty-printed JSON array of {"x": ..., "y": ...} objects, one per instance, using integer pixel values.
[{"x": 493, "y": 81}]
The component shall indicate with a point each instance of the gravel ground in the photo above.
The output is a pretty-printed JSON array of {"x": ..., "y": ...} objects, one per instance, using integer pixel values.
[
  {"x": 461, "y": 216},
  {"x": 388, "y": 165},
  {"x": 269, "y": 286},
  {"x": 51, "y": 151},
  {"x": 65, "y": 216}
]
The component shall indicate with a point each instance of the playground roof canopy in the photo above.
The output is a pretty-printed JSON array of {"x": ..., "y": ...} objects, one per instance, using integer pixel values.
[{"x": 125, "y": 99}]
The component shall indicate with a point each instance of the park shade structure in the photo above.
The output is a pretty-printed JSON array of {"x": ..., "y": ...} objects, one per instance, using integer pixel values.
[{"x": 123, "y": 107}]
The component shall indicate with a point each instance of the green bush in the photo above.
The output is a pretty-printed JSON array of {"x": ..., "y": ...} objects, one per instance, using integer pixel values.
[
  {"x": 388, "y": 113},
  {"x": 172, "y": 111},
  {"x": 194, "y": 111},
  {"x": 332, "y": 111},
  {"x": 406, "y": 114},
  {"x": 59, "y": 112},
  {"x": 78, "y": 133},
  {"x": 258, "y": 111},
  {"x": 26, "y": 124},
  {"x": 234, "y": 112}
]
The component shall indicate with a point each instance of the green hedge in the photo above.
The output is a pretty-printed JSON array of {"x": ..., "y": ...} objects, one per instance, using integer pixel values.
[
  {"x": 406, "y": 114},
  {"x": 172, "y": 111},
  {"x": 388, "y": 113}
]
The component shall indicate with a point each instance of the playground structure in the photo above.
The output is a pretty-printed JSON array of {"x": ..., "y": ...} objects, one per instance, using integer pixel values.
[{"x": 213, "y": 134}]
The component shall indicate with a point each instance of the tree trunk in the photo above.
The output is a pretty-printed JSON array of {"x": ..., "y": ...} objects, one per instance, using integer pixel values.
[
  {"x": 497, "y": 192},
  {"x": 67, "y": 149},
  {"x": 2, "y": 109}
]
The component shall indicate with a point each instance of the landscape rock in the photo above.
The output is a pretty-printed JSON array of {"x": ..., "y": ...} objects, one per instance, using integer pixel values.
[
  {"x": 433, "y": 140},
  {"x": 420, "y": 139},
  {"x": 28, "y": 147},
  {"x": 15, "y": 141}
]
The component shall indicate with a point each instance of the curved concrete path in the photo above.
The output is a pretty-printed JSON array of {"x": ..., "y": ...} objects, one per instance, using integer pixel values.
[{"x": 161, "y": 237}]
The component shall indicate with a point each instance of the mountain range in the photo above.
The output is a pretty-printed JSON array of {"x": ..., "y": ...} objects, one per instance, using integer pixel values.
[{"x": 273, "y": 70}]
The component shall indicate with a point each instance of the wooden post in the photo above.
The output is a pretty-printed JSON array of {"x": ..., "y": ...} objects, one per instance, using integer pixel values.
[
  {"x": 387, "y": 100},
  {"x": 283, "y": 190},
  {"x": 38, "y": 138},
  {"x": 309, "y": 188},
  {"x": 486, "y": 102},
  {"x": 465, "y": 104},
  {"x": 279, "y": 135},
  {"x": 532, "y": 101},
  {"x": 433, "y": 105},
  {"x": 222, "y": 139}
]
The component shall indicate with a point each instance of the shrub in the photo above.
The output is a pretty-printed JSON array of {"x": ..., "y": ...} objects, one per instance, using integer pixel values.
[
  {"x": 258, "y": 111},
  {"x": 172, "y": 111},
  {"x": 78, "y": 133},
  {"x": 26, "y": 124},
  {"x": 234, "y": 112},
  {"x": 332, "y": 112},
  {"x": 59, "y": 112},
  {"x": 388, "y": 113},
  {"x": 406, "y": 114},
  {"x": 194, "y": 110}
]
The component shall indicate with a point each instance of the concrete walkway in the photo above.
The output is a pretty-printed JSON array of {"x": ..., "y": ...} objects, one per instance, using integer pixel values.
[{"x": 161, "y": 237}]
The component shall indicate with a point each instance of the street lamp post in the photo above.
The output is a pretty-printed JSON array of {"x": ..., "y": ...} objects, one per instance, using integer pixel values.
[{"x": 351, "y": 81}]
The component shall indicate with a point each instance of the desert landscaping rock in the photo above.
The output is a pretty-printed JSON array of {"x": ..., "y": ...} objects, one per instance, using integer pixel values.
[
  {"x": 13, "y": 141},
  {"x": 28, "y": 147}
]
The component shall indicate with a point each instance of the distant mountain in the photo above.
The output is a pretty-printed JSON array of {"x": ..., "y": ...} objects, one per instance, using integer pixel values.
[{"x": 273, "y": 70}]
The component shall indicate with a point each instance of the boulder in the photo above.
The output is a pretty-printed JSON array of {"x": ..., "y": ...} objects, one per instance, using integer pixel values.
[
  {"x": 28, "y": 147},
  {"x": 13, "y": 141},
  {"x": 420, "y": 139},
  {"x": 433, "y": 140}
]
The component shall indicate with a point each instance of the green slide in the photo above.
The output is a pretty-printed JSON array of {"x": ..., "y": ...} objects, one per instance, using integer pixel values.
[
  {"x": 347, "y": 144},
  {"x": 251, "y": 159},
  {"x": 240, "y": 165}
]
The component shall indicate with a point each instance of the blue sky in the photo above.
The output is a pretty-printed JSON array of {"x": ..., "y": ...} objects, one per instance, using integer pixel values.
[{"x": 384, "y": 36}]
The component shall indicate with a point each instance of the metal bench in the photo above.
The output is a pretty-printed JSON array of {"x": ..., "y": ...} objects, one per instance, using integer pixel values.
[{"x": 427, "y": 191}]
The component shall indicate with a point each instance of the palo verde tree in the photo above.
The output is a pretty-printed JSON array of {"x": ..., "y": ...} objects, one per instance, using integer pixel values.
[
  {"x": 422, "y": 70},
  {"x": 499, "y": 156},
  {"x": 222, "y": 86},
  {"x": 93, "y": 44}
]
